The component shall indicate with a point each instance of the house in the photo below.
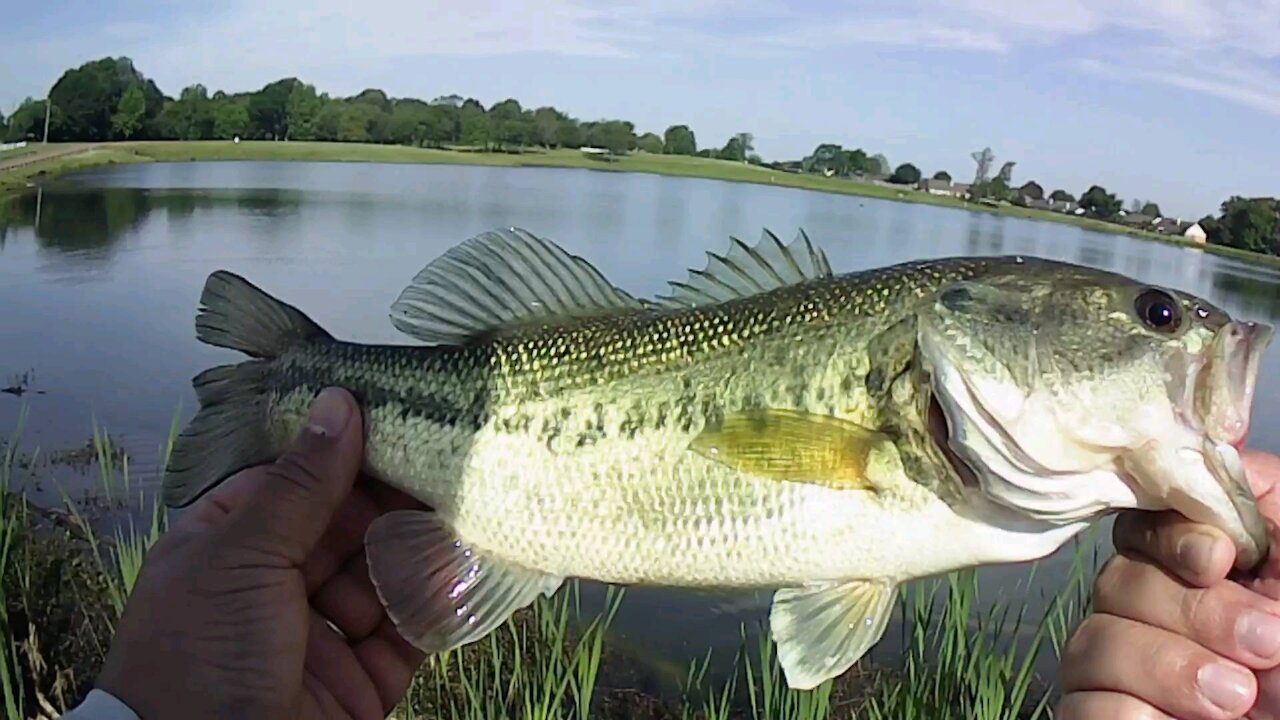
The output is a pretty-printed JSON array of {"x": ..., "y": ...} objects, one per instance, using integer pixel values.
[
  {"x": 935, "y": 187},
  {"x": 1063, "y": 206},
  {"x": 1170, "y": 226},
  {"x": 1036, "y": 203},
  {"x": 1137, "y": 220},
  {"x": 1196, "y": 234},
  {"x": 961, "y": 190}
]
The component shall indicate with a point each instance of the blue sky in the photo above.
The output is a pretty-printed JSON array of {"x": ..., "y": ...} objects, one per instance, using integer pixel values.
[{"x": 1176, "y": 101}]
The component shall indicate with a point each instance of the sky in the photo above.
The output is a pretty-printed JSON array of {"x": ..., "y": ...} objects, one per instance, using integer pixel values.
[{"x": 1176, "y": 101}]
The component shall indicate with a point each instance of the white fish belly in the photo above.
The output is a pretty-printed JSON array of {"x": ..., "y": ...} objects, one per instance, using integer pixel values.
[{"x": 649, "y": 511}]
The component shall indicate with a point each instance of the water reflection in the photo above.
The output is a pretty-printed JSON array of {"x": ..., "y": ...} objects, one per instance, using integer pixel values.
[{"x": 87, "y": 226}]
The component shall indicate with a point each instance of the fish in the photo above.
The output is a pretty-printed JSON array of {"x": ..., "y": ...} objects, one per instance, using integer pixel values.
[{"x": 767, "y": 425}]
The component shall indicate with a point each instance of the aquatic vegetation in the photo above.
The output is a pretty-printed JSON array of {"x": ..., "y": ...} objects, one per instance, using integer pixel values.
[{"x": 68, "y": 572}]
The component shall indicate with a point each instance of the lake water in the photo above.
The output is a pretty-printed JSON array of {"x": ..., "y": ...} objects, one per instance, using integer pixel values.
[{"x": 100, "y": 276}]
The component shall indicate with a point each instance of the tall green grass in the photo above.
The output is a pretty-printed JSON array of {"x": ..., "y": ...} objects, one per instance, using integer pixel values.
[
  {"x": 552, "y": 661},
  {"x": 13, "y": 515}
]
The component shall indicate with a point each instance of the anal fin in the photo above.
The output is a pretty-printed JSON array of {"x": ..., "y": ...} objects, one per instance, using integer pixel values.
[
  {"x": 823, "y": 629},
  {"x": 439, "y": 591}
]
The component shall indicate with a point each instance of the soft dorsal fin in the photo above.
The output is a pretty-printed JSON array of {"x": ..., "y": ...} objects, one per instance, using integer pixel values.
[
  {"x": 502, "y": 278},
  {"x": 747, "y": 271}
]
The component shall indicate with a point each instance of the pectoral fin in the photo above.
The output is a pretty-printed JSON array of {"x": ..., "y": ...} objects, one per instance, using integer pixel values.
[
  {"x": 792, "y": 445},
  {"x": 439, "y": 591},
  {"x": 822, "y": 630}
]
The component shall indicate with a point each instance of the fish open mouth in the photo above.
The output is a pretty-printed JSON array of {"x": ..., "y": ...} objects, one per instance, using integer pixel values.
[{"x": 940, "y": 433}]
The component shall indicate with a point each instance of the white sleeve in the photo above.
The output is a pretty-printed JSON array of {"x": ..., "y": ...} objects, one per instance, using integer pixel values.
[{"x": 101, "y": 705}]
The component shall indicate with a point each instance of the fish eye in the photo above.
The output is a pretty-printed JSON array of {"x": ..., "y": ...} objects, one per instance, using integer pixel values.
[{"x": 1159, "y": 311}]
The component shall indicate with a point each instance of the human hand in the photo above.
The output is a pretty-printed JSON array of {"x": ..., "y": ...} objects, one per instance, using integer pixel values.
[
  {"x": 1170, "y": 634},
  {"x": 229, "y": 616}
]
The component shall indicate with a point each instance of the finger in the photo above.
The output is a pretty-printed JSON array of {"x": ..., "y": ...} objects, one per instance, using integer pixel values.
[
  {"x": 337, "y": 669},
  {"x": 1200, "y": 554},
  {"x": 342, "y": 540},
  {"x": 390, "y": 662},
  {"x": 1262, "y": 469},
  {"x": 1226, "y": 618},
  {"x": 1172, "y": 673},
  {"x": 303, "y": 489},
  {"x": 1268, "y": 705},
  {"x": 1098, "y": 705},
  {"x": 349, "y": 601}
]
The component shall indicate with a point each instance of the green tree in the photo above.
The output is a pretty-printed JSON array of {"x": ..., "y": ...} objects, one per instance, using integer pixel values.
[
  {"x": 744, "y": 143},
  {"x": 569, "y": 134},
  {"x": 993, "y": 189},
  {"x": 27, "y": 121},
  {"x": 87, "y": 97},
  {"x": 732, "y": 150},
  {"x": 1062, "y": 196},
  {"x": 1249, "y": 224},
  {"x": 1151, "y": 209},
  {"x": 856, "y": 161},
  {"x": 440, "y": 125},
  {"x": 474, "y": 129},
  {"x": 374, "y": 98},
  {"x": 879, "y": 165},
  {"x": 129, "y": 115},
  {"x": 616, "y": 136},
  {"x": 4, "y": 125},
  {"x": 269, "y": 109},
  {"x": 650, "y": 143},
  {"x": 407, "y": 123},
  {"x": 546, "y": 126},
  {"x": 827, "y": 158},
  {"x": 301, "y": 111},
  {"x": 190, "y": 117},
  {"x": 905, "y": 174},
  {"x": 509, "y": 126},
  {"x": 230, "y": 120},
  {"x": 1099, "y": 203},
  {"x": 942, "y": 175},
  {"x": 679, "y": 140}
]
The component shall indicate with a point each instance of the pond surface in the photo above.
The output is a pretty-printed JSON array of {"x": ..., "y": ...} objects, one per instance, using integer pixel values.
[{"x": 101, "y": 273}]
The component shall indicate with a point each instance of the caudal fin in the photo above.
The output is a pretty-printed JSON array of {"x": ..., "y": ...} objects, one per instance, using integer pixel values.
[{"x": 229, "y": 432}]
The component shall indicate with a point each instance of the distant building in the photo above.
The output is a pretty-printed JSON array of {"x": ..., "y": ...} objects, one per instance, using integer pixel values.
[
  {"x": 1171, "y": 226},
  {"x": 1195, "y": 233},
  {"x": 1063, "y": 206},
  {"x": 1137, "y": 220},
  {"x": 935, "y": 187},
  {"x": 961, "y": 190}
]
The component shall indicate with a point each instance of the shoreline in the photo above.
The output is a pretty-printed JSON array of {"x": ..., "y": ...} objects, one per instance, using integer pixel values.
[{"x": 60, "y": 159}]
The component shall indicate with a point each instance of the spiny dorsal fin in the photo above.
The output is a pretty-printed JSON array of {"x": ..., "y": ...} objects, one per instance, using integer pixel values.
[
  {"x": 747, "y": 271},
  {"x": 498, "y": 279}
]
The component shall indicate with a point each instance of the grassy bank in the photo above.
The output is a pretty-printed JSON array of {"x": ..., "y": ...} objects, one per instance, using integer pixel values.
[
  {"x": 669, "y": 165},
  {"x": 66, "y": 579}
]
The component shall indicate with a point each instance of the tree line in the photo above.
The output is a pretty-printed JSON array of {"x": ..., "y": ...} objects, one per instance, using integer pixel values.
[{"x": 110, "y": 99}]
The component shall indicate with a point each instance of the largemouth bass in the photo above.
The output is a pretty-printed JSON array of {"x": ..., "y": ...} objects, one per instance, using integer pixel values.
[{"x": 769, "y": 424}]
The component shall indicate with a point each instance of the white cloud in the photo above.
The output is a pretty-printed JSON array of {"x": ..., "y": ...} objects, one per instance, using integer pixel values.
[{"x": 1173, "y": 42}]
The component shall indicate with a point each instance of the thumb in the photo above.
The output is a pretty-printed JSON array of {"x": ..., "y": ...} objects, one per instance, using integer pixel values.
[{"x": 298, "y": 495}]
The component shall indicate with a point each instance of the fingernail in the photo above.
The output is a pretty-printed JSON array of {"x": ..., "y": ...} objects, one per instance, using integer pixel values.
[
  {"x": 1195, "y": 552},
  {"x": 1226, "y": 686},
  {"x": 329, "y": 414},
  {"x": 1259, "y": 633}
]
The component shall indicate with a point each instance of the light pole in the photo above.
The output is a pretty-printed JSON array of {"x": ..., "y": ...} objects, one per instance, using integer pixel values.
[{"x": 48, "y": 105}]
